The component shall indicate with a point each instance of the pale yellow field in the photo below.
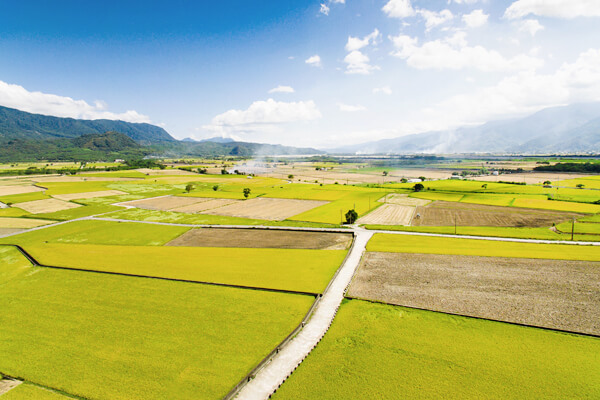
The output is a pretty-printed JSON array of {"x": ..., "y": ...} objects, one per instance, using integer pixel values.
[
  {"x": 267, "y": 208},
  {"x": 23, "y": 223},
  {"x": 46, "y": 206},
  {"x": 166, "y": 203},
  {"x": 389, "y": 214},
  {"x": 162, "y": 172},
  {"x": 530, "y": 178},
  {"x": 88, "y": 195},
  {"x": 205, "y": 205},
  {"x": 10, "y": 190},
  {"x": 403, "y": 200}
]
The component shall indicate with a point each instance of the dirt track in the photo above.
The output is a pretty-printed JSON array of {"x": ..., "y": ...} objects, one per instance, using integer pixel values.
[
  {"x": 255, "y": 238},
  {"x": 548, "y": 293},
  {"x": 443, "y": 213}
]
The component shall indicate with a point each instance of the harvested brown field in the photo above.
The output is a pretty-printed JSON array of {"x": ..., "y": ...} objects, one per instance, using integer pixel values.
[
  {"x": 88, "y": 195},
  {"x": 263, "y": 238},
  {"x": 403, "y": 200},
  {"x": 548, "y": 293},
  {"x": 166, "y": 203},
  {"x": 22, "y": 223},
  {"x": 443, "y": 213},
  {"x": 210, "y": 204},
  {"x": 46, "y": 206},
  {"x": 9, "y": 190},
  {"x": 389, "y": 214},
  {"x": 267, "y": 208},
  {"x": 9, "y": 231}
]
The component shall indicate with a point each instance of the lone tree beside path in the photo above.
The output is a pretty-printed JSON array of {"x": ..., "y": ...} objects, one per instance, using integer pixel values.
[{"x": 351, "y": 216}]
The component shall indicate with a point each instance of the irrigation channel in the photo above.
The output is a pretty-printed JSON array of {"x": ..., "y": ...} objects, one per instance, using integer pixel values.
[{"x": 270, "y": 374}]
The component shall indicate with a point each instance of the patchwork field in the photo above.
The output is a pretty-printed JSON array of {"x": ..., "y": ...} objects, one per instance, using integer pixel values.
[
  {"x": 46, "y": 206},
  {"x": 10, "y": 190},
  {"x": 112, "y": 337},
  {"x": 88, "y": 195},
  {"x": 440, "y": 213},
  {"x": 404, "y": 200},
  {"x": 378, "y": 351},
  {"x": 255, "y": 238},
  {"x": 548, "y": 293},
  {"x": 389, "y": 214},
  {"x": 267, "y": 208},
  {"x": 165, "y": 203}
]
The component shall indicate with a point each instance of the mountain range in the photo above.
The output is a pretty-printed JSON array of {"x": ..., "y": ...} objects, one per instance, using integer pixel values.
[{"x": 566, "y": 129}]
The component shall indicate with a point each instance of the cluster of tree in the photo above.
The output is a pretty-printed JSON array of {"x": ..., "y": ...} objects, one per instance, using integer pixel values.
[{"x": 570, "y": 167}]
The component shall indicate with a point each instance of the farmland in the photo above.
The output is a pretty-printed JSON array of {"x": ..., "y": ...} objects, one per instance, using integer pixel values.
[
  {"x": 548, "y": 293},
  {"x": 378, "y": 351},
  {"x": 72, "y": 332}
]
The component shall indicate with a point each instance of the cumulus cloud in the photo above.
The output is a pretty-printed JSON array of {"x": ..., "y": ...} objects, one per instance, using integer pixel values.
[
  {"x": 358, "y": 63},
  {"x": 314, "y": 61},
  {"x": 383, "y": 90},
  {"x": 528, "y": 92},
  {"x": 324, "y": 9},
  {"x": 463, "y": 1},
  {"x": 15, "y": 96},
  {"x": 475, "y": 19},
  {"x": 454, "y": 53},
  {"x": 282, "y": 89},
  {"x": 350, "y": 108},
  {"x": 355, "y": 43},
  {"x": 554, "y": 8},
  {"x": 531, "y": 26},
  {"x": 398, "y": 9},
  {"x": 435, "y": 18},
  {"x": 262, "y": 114}
]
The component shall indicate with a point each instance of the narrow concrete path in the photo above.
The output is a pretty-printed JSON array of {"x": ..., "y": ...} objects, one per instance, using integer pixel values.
[{"x": 286, "y": 361}]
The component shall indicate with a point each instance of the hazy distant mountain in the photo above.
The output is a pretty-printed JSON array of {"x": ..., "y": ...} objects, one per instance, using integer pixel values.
[
  {"x": 574, "y": 128},
  {"x": 16, "y": 124},
  {"x": 218, "y": 139}
]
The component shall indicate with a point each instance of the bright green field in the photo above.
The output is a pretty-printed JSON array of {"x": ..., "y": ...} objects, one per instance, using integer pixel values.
[
  {"x": 102, "y": 232},
  {"x": 476, "y": 247},
  {"x": 121, "y": 338},
  {"x": 289, "y": 269},
  {"x": 31, "y": 392},
  {"x": 377, "y": 351},
  {"x": 21, "y": 198},
  {"x": 579, "y": 227}
]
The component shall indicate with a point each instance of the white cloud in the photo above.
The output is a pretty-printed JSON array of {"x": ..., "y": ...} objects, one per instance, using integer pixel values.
[
  {"x": 15, "y": 96},
  {"x": 324, "y": 9},
  {"x": 261, "y": 114},
  {"x": 528, "y": 92},
  {"x": 554, "y": 8},
  {"x": 475, "y": 19},
  {"x": 338, "y": 1},
  {"x": 355, "y": 43},
  {"x": 314, "y": 61},
  {"x": 282, "y": 89},
  {"x": 433, "y": 18},
  {"x": 531, "y": 26},
  {"x": 463, "y": 1},
  {"x": 350, "y": 108},
  {"x": 358, "y": 63},
  {"x": 383, "y": 90},
  {"x": 454, "y": 53},
  {"x": 398, "y": 9}
]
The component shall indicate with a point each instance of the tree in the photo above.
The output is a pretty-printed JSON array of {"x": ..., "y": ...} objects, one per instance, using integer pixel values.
[
  {"x": 246, "y": 192},
  {"x": 189, "y": 187},
  {"x": 224, "y": 172},
  {"x": 290, "y": 176},
  {"x": 484, "y": 186},
  {"x": 403, "y": 180},
  {"x": 422, "y": 178},
  {"x": 580, "y": 185},
  {"x": 385, "y": 173},
  {"x": 418, "y": 187},
  {"x": 351, "y": 216},
  {"x": 216, "y": 187},
  {"x": 547, "y": 183}
]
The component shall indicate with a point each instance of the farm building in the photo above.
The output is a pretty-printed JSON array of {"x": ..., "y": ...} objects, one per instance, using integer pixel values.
[{"x": 414, "y": 181}]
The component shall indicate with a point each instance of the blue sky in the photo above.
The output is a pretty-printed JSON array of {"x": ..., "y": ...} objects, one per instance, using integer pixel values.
[{"x": 310, "y": 73}]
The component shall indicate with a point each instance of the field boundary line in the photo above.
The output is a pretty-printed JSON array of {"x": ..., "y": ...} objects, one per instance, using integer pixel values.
[
  {"x": 479, "y": 318},
  {"x": 49, "y": 388},
  {"x": 263, "y": 363},
  {"x": 36, "y": 263}
]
